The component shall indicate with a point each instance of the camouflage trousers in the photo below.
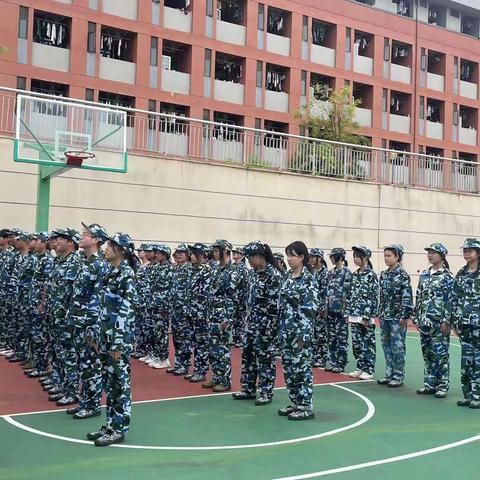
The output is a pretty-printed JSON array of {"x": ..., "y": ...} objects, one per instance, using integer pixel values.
[
  {"x": 297, "y": 370},
  {"x": 68, "y": 359},
  {"x": 435, "y": 348},
  {"x": 55, "y": 351},
  {"x": 320, "y": 344},
  {"x": 148, "y": 337},
  {"x": 182, "y": 334},
  {"x": 200, "y": 345},
  {"x": 364, "y": 347},
  {"x": 140, "y": 339},
  {"x": 337, "y": 338},
  {"x": 258, "y": 362},
  {"x": 238, "y": 330},
  {"x": 39, "y": 340},
  {"x": 7, "y": 326},
  {"x": 161, "y": 346},
  {"x": 117, "y": 384},
  {"x": 393, "y": 343},
  {"x": 90, "y": 371},
  {"x": 470, "y": 366},
  {"x": 220, "y": 355},
  {"x": 22, "y": 319}
]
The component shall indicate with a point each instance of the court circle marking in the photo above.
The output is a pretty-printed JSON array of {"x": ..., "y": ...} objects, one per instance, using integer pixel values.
[{"x": 370, "y": 413}]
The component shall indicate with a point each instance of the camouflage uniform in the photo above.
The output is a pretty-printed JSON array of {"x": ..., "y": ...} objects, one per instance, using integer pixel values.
[
  {"x": 338, "y": 282},
  {"x": 198, "y": 301},
  {"x": 83, "y": 315},
  {"x": 143, "y": 293},
  {"x": 396, "y": 303},
  {"x": 39, "y": 336},
  {"x": 238, "y": 328},
  {"x": 362, "y": 305},
  {"x": 161, "y": 284},
  {"x": 62, "y": 290},
  {"x": 8, "y": 258},
  {"x": 117, "y": 320},
  {"x": 258, "y": 356},
  {"x": 298, "y": 305},
  {"x": 320, "y": 345},
  {"x": 465, "y": 317},
  {"x": 223, "y": 295}
]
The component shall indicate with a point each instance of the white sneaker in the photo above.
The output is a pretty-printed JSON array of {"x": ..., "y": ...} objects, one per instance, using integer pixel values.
[
  {"x": 3, "y": 351},
  {"x": 355, "y": 374},
  {"x": 167, "y": 363},
  {"x": 150, "y": 360},
  {"x": 144, "y": 359},
  {"x": 163, "y": 364},
  {"x": 365, "y": 376}
]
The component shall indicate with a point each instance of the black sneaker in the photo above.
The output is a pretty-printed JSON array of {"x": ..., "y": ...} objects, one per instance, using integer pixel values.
[
  {"x": 260, "y": 401},
  {"x": 299, "y": 415},
  {"x": 64, "y": 401},
  {"x": 55, "y": 397},
  {"x": 94, "y": 435},
  {"x": 384, "y": 381},
  {"x": 188, "y": 376},
  {"x": 197, "y": 378},
  {"x": 337, "y": 370},
  {"x": 425, "y": 391},
  {"x": 179, "y": 373},
  {"x": 285, "y": 412},
  {"x": 81, "y": 414},
  {"x": 109, "y": 439},
  {"x": 464, "y": 402},
  {"x": 73, "y": 410},
  {"x": 475, "y": 404},
  {"x": 171, "y": 370},
  {"x": 243, "y": 396},
  {"x": 440, "y": 394}
]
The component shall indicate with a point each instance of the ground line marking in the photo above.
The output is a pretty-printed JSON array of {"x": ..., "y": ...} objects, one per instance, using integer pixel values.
[{"x": 370, "y": 413}]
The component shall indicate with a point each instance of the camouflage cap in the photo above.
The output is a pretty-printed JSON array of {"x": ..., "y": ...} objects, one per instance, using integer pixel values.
[
  {"x": 253, "y": 248},
  {"x": 43, "y": 236},
  {"x": 15, "y": 232},
  {"x": 437, "y": 247},
  {"x": 198, "y": 247},
  {"x": 123, "y": 240},
  {"x": 97, "y": 231},
  {"x": 365, "y": 251},
  {"x": 182, "y": 247},
  {"x": 279, "y": 256},
  {"x": 239, "y": 250},
  {"x": 5, "y": 232},
  {"x": 161, "y": 248},
  {"x": 338, "y": 251},
  {"x": 68, "y": 233},
  {"x": 316, "y": 252},
  {"x": 144, "y": 247},
  {"x": 222, "y": 243},
  {"x": 396, "y": 247},
  {"x": 471, "y": 243},
  {"x": 25, "y": 236}
]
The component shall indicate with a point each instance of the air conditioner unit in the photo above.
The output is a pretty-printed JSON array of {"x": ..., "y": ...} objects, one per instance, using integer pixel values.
[{"x": 166, "y": 62}]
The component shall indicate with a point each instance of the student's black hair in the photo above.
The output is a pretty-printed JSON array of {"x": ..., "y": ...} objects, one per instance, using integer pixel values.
[
  {"x": 399, "y": 255},
  {"x": 266, "y": 253},
  {"x": 222, "y": 252},
  {"x": 337, "y": 257},
  {"x": 358, "y": 253},
  {"x": 445, "y": 262},
  {"x": 131, "y": 257},
  {"x": 299, "y": 248}
]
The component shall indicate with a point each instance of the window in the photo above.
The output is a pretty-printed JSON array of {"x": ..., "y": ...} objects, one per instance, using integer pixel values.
[
  {"x": 422, "y": 108},
  {"x": 261, "y": 16},
  {"x": 50, "y": 29},
  {"x": 209, "y": 8},
  {"x": 21, "y": 83},
  {"x": 386, "y": 50},
  {"x": 348, "y": 43},
  {"x": 174, "y": 124},
  {"x": 116, "y": 100},
  {"x": 305, "y": 29},
  {"x": 179, "y": 5},
  {"x": 455, "y": 13},
  {"x": 49, "y": 88},
  {"x": 230, "y": 11},
  {"x": 152, "y": 107},
  {"x": 227, "y": 131},
  {"x": 23, "y": 23},
  {"x": 92, "y": 38},
  {"x": 277, "y": 21},
  {"x": 276, "y": 77},
  {"x": 229, "y": 68},
  {"x": 259, "y": 73},
  {"x": 384, "y": 100},
  {"x": 89, "y": 95},
  {"x": 303, "y": 85},
  {"x": 117, "y": 44},
  {"x": 154, "y": 51},
  {"x": 423, "y": 60},
  {"x": 208, "y": 63}
]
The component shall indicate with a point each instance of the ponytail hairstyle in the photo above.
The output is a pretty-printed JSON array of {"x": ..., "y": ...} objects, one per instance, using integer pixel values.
[
  {"x": 445, "y": 262},
  {"x": 267, "y": 253},
  {"x": 324, "y": 263},
  {"x": 337, "y": 257},
  {"x": 369, "y": 263},
  {"x": 360, "y": 254},
  {"x": 299, "y": 248}
]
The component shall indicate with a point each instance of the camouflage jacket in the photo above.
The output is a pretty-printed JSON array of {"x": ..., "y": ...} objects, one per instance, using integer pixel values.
[
  {"x": 160, "y": 286},
  {"x": 87, "y": 292},
  {"x": 321, "y": 278},
  {"x": 62, "y": 285},
  {"x": 179, "y": 288},
  {"x": 396, "y": 297},
  {"x": 362, "y": 296},
  {"x": 338, "y": 284},
  {"x": 223, "y": 291},
  {"x": 465, "y": 299},
  {"x": 243, "y": 278},
  {"x": 297, "y": 307},
  {"x": 143, "y": 283},
  {"x": 41, "y": 274},
  {"x": 433, "y": 298},
  {"x": 117, "y": 315},
  {"x": 262, "y": 301},
  {"x": 22, "y": 276},
  {"x": 198, "y": 291},
  {"x": 7, "y": 267}
]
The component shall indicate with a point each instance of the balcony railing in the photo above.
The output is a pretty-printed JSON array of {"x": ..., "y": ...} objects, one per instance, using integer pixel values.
[{"x": 196, "y": 140}]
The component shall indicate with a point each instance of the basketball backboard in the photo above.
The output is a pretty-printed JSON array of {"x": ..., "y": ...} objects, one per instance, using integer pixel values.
[{"x": 52, "y": 132}]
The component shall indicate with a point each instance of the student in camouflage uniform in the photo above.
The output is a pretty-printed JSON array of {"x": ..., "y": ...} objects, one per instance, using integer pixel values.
[
  {"x": 223, "y": 299},
  {"x": 258, "y": 356},
  {"x": 162, "y": 276},
  {"x": 361, "y": 308},
  {"x": 280, "y": 264},
  {"x": 62, "y": 288},
  {"x": 320, "y": 273},
  {"x": 240, "y": 310},
  {"x": 198, "y": 302},
  {"x": 465, "y": 318},
  {"x": 39, "y": 340},
  {"x": 297, "y": 308},
  {"x": 117, "y": 323},
  {"x": 84, "y": 314},
  {"x": 432, "y": 318},
  {"x": 141, "y": 301},
  {"x": 338, "y": 283},
  {"x": 395, "y": 309}
]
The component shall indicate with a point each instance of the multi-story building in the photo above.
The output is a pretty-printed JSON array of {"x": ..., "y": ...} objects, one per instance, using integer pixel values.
[{"x": 412, "y": 64}]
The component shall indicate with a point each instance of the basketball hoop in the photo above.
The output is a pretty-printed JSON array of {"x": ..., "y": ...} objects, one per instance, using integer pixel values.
[{"x": 75, "y": 158}]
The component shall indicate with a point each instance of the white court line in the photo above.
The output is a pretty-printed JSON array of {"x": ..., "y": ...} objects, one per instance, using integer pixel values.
[
  {"x": 384, "y": 461},
  {"x": 180, "y": 398},
  {"x": 417, "y": 337},
  {"x": 370, "y": 413}
]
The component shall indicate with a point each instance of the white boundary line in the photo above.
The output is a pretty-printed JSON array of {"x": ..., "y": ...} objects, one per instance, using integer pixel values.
[{"x": 370, "y": 413}]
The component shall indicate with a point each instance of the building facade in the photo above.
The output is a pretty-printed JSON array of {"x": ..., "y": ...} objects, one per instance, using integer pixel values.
[{"x": 413, "y": 65}]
